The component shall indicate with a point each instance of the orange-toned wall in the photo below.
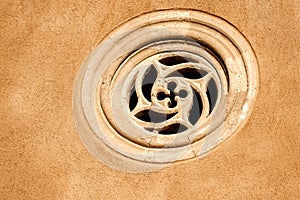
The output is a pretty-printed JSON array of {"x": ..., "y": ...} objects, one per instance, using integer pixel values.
[{"x": 42, "y": 45}]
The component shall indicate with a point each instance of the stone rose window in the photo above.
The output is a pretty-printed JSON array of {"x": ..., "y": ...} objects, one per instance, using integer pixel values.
[{"x": 163, "y": 87}]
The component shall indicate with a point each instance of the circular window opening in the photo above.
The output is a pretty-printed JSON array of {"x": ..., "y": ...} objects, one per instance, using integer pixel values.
[
  {"x": 163, "y": 87},
  {"x": 168, "y": 92}
]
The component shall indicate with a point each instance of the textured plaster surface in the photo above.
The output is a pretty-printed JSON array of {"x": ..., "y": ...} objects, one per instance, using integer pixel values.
[{"x": 42, "y": 45}]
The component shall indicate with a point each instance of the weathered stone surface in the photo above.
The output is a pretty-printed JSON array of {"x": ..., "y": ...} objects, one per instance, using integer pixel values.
[{"x": 42, "y": 45}]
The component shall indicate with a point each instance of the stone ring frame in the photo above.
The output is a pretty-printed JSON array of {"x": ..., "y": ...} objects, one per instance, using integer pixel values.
[{"x": 108, "y": 122}]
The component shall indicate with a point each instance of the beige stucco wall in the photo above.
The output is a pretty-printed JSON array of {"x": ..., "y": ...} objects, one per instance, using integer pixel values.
[{"x": 42, "y": 45}]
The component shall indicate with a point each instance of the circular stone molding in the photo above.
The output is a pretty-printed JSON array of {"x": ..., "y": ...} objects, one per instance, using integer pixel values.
[{"x": 163, "y": 87}]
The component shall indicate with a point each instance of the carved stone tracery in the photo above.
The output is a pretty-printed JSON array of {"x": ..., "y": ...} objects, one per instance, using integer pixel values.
[{"x": 173, "y": 91}]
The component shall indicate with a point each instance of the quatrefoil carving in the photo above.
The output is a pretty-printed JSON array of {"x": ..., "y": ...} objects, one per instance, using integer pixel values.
[{"x": 169, "y": 93}]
